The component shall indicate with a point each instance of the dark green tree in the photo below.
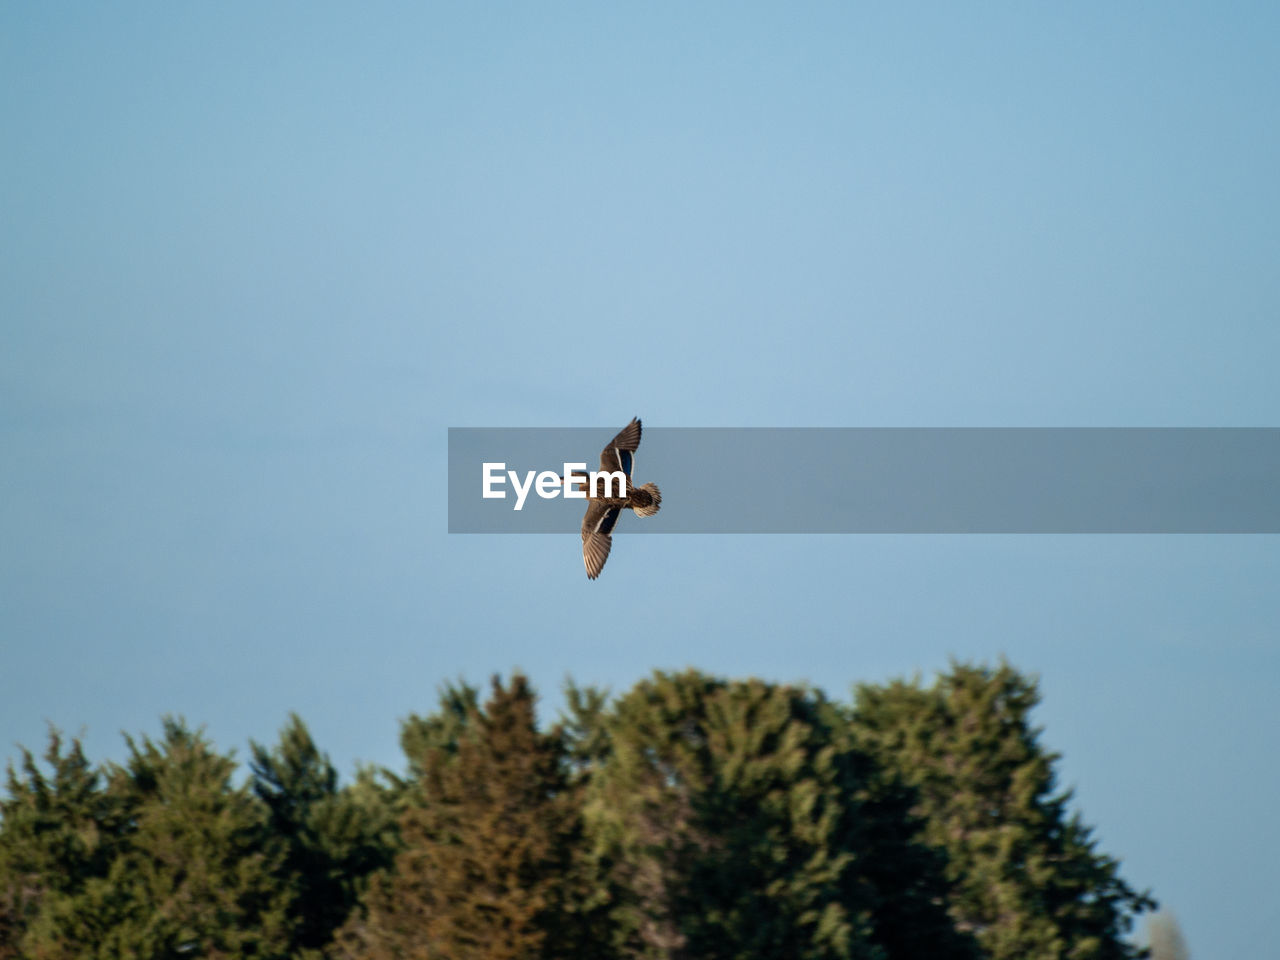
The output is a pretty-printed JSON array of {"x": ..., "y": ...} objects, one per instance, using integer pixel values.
[
  {"x": 906, "y": 875},
  {"x": 725, "y": 821},
  {"x": 692, "y": 817},
  {"x": 585, "y": 725},
  {"x": 59, "y": 835},
  {"x": 1025, "y": 878},
  {"x": 486, "y": 846},
  {"x": 441, "y": 730},
  {"x": 333, "y": 837},
  {"x": 164, "y": 859},
  {"x": 201, "y": 875}
]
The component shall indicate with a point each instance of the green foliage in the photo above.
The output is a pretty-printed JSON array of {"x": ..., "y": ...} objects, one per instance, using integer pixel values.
[
  {"x": 693, "y": 817},
  {"x": 167, "y": 859},
  {"x": 332, "y": 838},
  {"x": 725, "y": 822},
  {"x": 585, "y": 729},
  {"x": 1025, "y": 878},
  {"x": 200, "y": 873},
  {"x": 441, "y": 730},
  {"x": 61, "y": 834},
  {"x": 485, "y": 855},
  {"x": 906, "y": 874}
]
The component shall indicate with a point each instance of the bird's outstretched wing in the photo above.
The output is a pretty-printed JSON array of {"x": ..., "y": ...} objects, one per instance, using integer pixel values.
[
  {"x": 620, "y": 454},
  {"x": 597, "y": 536}
]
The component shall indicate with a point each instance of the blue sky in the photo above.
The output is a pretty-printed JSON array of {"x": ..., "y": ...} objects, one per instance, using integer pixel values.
[{"x": 255, "y": 262}]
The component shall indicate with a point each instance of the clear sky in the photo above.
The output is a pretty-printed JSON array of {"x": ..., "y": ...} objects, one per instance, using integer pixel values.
[{"x": 256, "y": 259}]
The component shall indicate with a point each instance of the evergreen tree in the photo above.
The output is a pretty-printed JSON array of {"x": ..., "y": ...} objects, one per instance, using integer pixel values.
[
  {"x": 725, "y": 820},
  {"x": 165, "y": 860},
  {"x": 907, "y": 876},
  {"x": 201, "y": 874},
  {"x": 585, "y": 728},
  {"x": 441, "y": 730},
  {"x": 1026, "y": 879},
  {"x": 59, "y": 834},
  {"x": 333, "y": 838},
  {"x": 692, "y": 817},
  {"x": 481, "y": 873}
]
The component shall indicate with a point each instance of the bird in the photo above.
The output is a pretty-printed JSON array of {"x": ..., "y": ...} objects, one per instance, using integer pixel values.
[{"x": 602, "y": 511}]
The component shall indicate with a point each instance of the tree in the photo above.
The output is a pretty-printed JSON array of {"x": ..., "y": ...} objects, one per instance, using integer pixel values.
[
  {"x": 585, "y": 727},
  {"x": 59, "y": 835},
  {"x": 333, "y": 838},
  {"x": 907, "y": 876},
  {"x": 1026, "y": 879},
  {"x": 164, "y": 859},
  {"x": 201, "y": 873},
  {"x": 441, "y": 730},
  {"x": 692, "y": 817},
  {"x": 725, "y": 820},
  {"x": 486, "y": 847}
]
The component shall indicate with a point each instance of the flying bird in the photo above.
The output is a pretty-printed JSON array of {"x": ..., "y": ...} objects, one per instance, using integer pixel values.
[{"x": 602, "y": 511}]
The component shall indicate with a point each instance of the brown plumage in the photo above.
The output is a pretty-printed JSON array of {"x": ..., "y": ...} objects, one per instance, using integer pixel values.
[{"x": 603, "y": 512}]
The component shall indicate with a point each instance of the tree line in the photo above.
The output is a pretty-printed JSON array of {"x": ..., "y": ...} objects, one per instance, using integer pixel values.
[{"x": 690, "y": 817}]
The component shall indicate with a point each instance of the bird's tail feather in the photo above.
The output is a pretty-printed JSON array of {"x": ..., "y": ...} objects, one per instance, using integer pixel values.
[{"x": 648, "y": 500}]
